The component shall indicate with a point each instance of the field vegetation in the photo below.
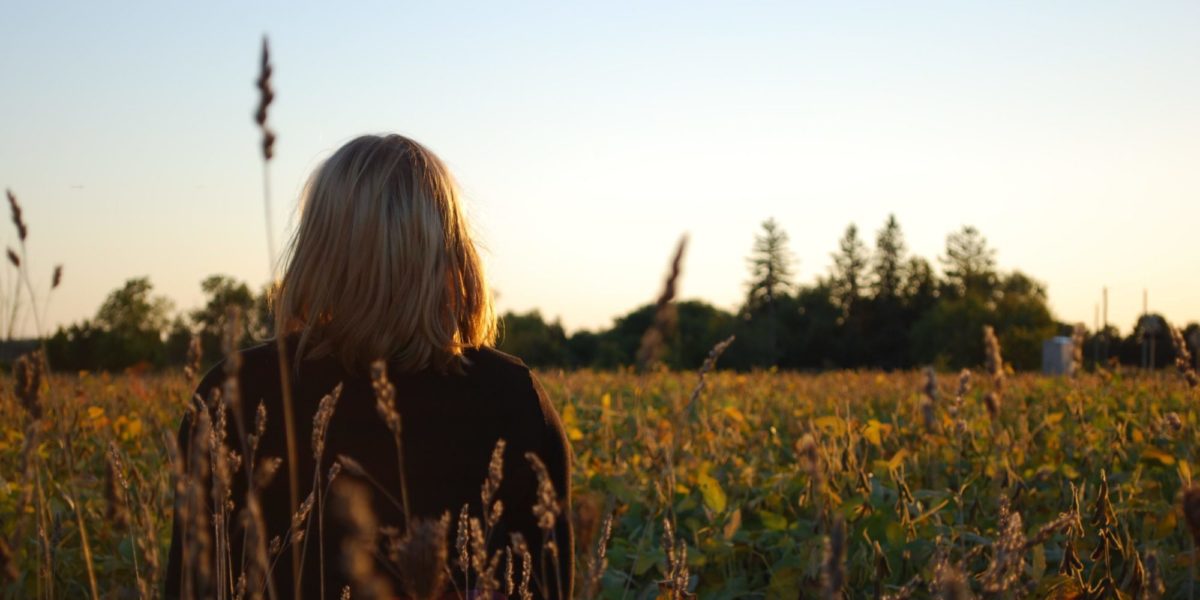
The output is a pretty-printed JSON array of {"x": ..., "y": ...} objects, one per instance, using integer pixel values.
[{"x": 764, "y": 484}]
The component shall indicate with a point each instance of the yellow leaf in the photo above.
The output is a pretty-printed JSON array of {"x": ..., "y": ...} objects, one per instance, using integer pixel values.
[
  {"x": 1167, "y": 524},
  {"x": 1185, "y": 472},
  {"x": 1052, "y": 419},
  {"x": 735, "y": 414},
  {"x": 1154, "y": 454},
  {"x": 710, "y": 489},
  {"x": 734, "y": 523},
  {"x": 874, "y": 432},
  {"x": 829, "y": 422},
  {"x": 897, "y": 459}
]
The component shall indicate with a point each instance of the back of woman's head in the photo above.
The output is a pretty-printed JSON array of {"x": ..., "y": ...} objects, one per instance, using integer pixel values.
[{"x": 383, "y": 265}]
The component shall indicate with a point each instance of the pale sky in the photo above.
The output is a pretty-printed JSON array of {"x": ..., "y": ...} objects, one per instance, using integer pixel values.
[{"x": 588, "y": 137}]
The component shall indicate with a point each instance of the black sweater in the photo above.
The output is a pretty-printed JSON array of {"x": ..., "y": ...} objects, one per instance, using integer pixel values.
[{"x": 450, "y": 425}]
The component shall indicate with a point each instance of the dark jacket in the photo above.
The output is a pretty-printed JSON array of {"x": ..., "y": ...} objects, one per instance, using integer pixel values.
[{"x": 450, "y": 425}]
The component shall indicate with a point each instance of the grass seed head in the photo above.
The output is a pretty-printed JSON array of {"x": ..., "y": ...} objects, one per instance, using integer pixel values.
[
  {"x": 421, "y": 557},
  {"x": 266, "y": 95},
  {"x": 546, "y": 509},
  {"x": 17, "y": 219}
]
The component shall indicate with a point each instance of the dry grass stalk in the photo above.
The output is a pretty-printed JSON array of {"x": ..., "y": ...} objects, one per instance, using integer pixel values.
[
  {"x": 17, "y": 219},
  {"x": 199, "y": 543},
  {"x": 266, "y": 470},
  {"x": 191, "y": 367},
  {"x": 949, "y": 583},
  {"x": 1008, "y": 552},
  {"x": 266, "y": 95},
  {"x": 257, "y": 567},
  {"x": 519, "y": 548},
  {"x": 653, "y": 341},
  {"x": 485, "y": 566},
  {"x": 1191, "y": 511},
  {"x": 509, "y": 586},
  {"x": 421, "y": 557},
  {"x": 546, "y": 508},
  {"x": 462, "y": 541},
  {"x": 833, "y": 567},
  {"x": 84, "y": 544},
  {"x": 995, "y": 368},
  {"x": 1154, "y": 588},
  {"x": 28, "y": 374},
  {"x": 929, "y": 401},
  {"x": 352, "y": 507},
  {"x": 678, "y": 578},
  {"x": 710, "y": 362},
  {"x": 385, "y": 404},
  {"x": 116, "y": 489},
  {"x": 321, "y": 422},
  {"x": 1183, "y": 358},
  {"x": 260, "y": 428},
  {"x": 492, "y": 507},
  {"x": 597, "y": 562}
]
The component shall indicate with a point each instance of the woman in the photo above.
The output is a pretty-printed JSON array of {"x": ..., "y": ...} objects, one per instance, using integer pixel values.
[{"x": 381, "y": 267}]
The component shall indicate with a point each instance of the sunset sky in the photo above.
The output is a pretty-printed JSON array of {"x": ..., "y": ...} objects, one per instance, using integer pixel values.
[{"x": 588, "y": 138}]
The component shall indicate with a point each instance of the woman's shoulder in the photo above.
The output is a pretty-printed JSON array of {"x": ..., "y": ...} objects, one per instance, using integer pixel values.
[
  {"x": 489, "y": 361},
  {"x": 497, "y": 371},
  {"x": 251, "y": 358}
]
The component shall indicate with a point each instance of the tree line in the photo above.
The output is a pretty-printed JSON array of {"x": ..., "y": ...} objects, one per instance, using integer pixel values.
[{"x": 878, "y": 306}]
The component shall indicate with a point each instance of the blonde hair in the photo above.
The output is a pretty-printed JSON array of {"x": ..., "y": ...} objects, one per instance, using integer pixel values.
[{"x": 383, "y": 265}]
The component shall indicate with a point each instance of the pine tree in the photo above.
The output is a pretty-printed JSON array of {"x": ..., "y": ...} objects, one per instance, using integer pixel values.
[
  {"x": 888, "y": 265},
  {"x": 770, "y": 268},
  {"x": 849, "y": 269},
  {"x": 969, "y": 264}
]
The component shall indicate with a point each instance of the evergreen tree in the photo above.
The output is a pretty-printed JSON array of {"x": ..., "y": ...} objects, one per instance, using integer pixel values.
[
  {"x": 850, "y": 264},
  {"x": 888, "y": 265},
  {"x": 969, "y": 264},
  {"x": 920, "y": 285},
  {"x": 770, "y": 268},
  {"x": 886, "y": 321}
]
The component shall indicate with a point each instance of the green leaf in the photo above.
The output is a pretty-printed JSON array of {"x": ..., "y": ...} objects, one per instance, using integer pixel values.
[
  {"x": 644, "y": 562},
  {"x": 784, "y": 583},
  {"x": 772, "y": 521}
]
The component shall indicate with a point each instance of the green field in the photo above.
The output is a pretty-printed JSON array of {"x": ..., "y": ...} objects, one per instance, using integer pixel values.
[{"x": 777, "y": 483}]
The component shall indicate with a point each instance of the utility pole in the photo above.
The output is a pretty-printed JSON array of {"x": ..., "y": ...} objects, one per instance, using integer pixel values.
[
  {"x": 1152, "y": 327},
  {"x": 1104, "y": 351}
]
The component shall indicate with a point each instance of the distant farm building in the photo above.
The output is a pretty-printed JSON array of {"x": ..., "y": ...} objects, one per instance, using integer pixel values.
[{"x": 1056, "y": 355}]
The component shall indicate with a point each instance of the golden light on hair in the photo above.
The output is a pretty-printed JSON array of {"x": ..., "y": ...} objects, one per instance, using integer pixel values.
[{"x": 383, "y": 264}]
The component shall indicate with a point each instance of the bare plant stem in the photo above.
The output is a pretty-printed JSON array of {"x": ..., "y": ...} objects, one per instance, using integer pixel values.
[
  {"x": 285, "y": 385},
  {"x": 400, "y": 462},
  {"x": 87, "y": 549},
  {"x": 269, "y": 220}
]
